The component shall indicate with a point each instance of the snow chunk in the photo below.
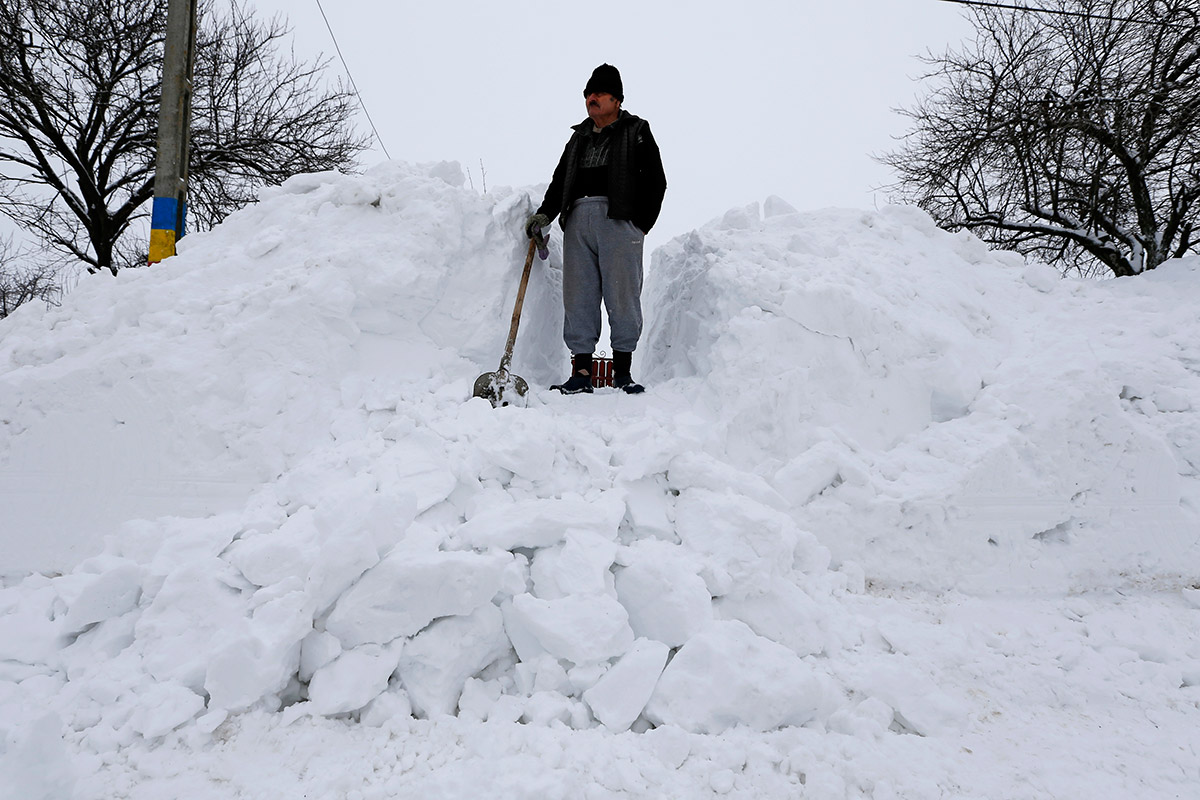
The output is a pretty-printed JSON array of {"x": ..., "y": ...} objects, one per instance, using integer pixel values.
[
  {"x": 580, "y": 628},
  {"x": 449, "y": 171},
  {"x": 618, "y": 698},
  {"x": 665, "y": 599},
  {"x": 163, "y": 708},
  {"x": 190, "y": 615},
  {"x": 268, "y": 558},
  {"x": 353, "y": 679},
  {"x": 741, "y": 538},
  {"x": 408, "y": 590},
  {"x": 520, "y": 447},
  {"x": 29, "y": 634},
  {"x": 544, "y": 708},
  {"x": 647, "y": 503},
  {"x": 1172, "y": 400},
  {"x": 542, "y": 523},
  {"x": 260, "y": 655},
  {"x": 781, "y": 612},
  {"x": 579, "y": 566},
  {"x": 741, "y": 219},
  {"x": 318, "y": 649},
  {"x": 104, "y": 596},
  {"x": 392, "y": 704},
  {"x": 1042, "y": 277},
  {"x": 329, "y": 547},
  {"x": 517, "y": 626},
  {"x": 869, "y": 719},
  {"x": 775, "y": 206},
  {"x": 438, "y": 661},
  {"x": 727, "y": 675}
]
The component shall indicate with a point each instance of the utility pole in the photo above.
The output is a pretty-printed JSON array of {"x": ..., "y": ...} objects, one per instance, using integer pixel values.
[{"x": 169, "y": 213}]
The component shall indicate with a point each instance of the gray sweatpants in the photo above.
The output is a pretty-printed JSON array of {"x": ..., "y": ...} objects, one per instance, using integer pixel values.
[{"x": 602, "y": 258}]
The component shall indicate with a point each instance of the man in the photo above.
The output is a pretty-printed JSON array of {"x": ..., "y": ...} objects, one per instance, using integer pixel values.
[{"x": 608, "y": 187}]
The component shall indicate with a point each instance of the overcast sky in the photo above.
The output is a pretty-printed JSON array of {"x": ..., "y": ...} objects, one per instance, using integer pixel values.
[{"x": 746, "y": 99}]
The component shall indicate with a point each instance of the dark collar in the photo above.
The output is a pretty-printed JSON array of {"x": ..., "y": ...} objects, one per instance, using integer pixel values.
[{"x": 587, "y": 125}]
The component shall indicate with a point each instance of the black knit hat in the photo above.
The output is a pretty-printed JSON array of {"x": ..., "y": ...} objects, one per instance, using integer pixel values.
[{"x": 605, "y": 78}]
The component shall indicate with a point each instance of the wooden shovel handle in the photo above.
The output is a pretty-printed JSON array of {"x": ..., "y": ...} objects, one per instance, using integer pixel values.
[{"x": 516, "y": 315}]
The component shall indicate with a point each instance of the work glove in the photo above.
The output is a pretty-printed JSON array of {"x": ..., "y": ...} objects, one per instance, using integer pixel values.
[{"x": 536, "y": 222}]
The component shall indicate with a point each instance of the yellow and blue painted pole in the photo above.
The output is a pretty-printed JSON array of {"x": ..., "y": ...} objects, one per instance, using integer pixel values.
[
  {"x": 168, "y": 216},
  {"x": 168, "y": 223}
]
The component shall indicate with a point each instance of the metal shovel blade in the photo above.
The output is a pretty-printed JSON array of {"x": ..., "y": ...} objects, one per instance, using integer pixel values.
[{"x": 501, "y": 388}]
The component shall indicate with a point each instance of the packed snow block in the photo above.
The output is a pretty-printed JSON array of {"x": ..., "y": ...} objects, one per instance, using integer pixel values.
[
  {"x": 519, "y": 445},
  {"x": 477, "y": 699},
  {"x": 409, "y": 589},
  {"x": 391, "y": 704},
  {"x": 328, "y": 548},
  {"x": 825, "y": 466},
  {"x": 546, "y": 674},
  {"x": 543, "y": 708},
  {"x": 775, "y": 206},
  {"x": 869, "y": 719},
  {"x": 582, "y": 629},
  {"x": 670, "y": 744},
  {"x": 316, "y": 650},
  {"x": 542, "y": 523},
  {"x": 740, "y": 539},
  {"x": 781, "y": 612},
  {"x": 354, "y": 678},
  {"x": 339, "y": 565},
  {"x": 437, "y": 662},
  {"x": 648, "y": 505},
  {"x": 356, "y": 507},
  {"x": 163, "y": 707},
  {"x": 97, "y": 597},
  {"x": 728, "y": 675},
  {"x": 524, "y": 641},
  {"x": 191, "y": 615},
  {"x": 357, "y": 512},
  {"x": 741, "y": 219},
  {"x": 578, "y": 566},
  {"x": 700, "y": 470},
  {"x": 618, "y": 698},
  {"x": 416, "y": 466},
  {"x": 666, "y": 599},
  {"x": 259, "y": 656},
  {"x": 268, "y": 558},
  {"x": 29, "y": 633}
]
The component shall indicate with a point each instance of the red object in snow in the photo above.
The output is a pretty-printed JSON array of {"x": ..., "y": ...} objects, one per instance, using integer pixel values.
[{"x": 602, "y": 372}]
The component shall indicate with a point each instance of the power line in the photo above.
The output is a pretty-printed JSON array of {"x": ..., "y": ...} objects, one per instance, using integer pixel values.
[
  {"x": 1067, "y": 13},
  {"x": 357, "y": 94}
]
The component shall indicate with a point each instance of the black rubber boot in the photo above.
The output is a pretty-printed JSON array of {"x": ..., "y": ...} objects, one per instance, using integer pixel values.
[
  {"x": 580, "y": 381},
  {"x": 621, "y": 377}
]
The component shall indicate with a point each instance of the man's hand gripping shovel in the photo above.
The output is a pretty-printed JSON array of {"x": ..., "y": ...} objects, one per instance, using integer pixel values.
[{"x": 500, "y": 388}]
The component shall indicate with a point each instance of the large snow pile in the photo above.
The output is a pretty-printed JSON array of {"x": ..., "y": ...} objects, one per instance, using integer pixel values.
[
  {"x": 250, "y": 494},
  {"x": 937, "y": 412}
]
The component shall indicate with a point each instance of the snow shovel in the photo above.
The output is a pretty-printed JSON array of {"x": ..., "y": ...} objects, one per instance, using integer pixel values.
[{"x": 497, "y": 387}]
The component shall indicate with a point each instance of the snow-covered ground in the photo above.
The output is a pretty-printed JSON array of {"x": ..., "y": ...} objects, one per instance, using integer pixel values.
[{"x": 898, "y": 517}]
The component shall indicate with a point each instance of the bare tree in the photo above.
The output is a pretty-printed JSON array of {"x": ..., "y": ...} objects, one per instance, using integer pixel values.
[
  {"x": 1071, "y": 136},
  {"x": 19, "y": 284},
  {"x": 80, "y": 82}
]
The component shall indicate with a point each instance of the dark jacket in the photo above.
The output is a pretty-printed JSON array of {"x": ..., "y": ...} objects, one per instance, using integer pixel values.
[{"x": 636, "y": 183}]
